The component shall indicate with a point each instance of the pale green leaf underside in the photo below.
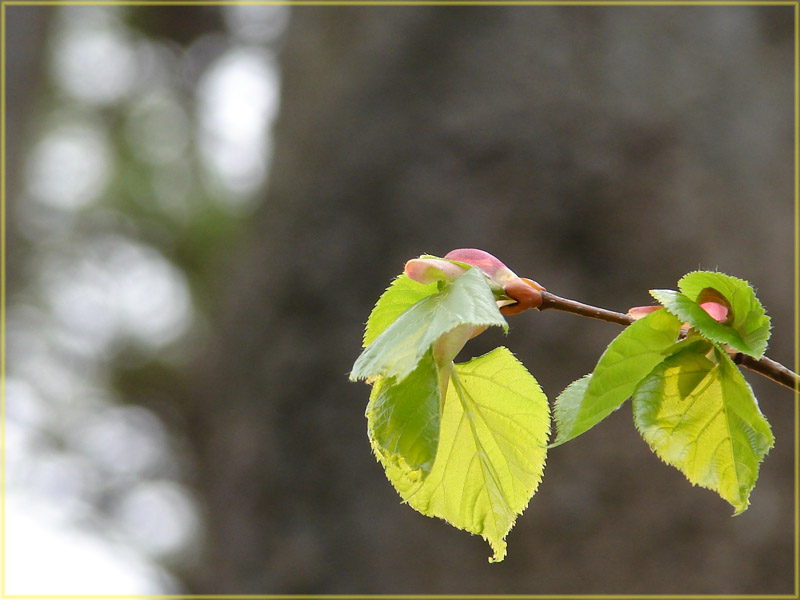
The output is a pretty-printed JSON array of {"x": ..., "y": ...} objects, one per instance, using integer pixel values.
[
  {"x": 403, "y": 419},
  {"x": 491, "y": 451},
  {"x": 626, "y": 361},
  {"x": 700, "y": 416},
  {"x": 396, "y": 351},
  {"x": 749, "y": 330},
  {"x": 401, "y": 295}
]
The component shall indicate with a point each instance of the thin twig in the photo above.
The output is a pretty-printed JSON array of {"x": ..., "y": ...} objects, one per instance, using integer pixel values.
[
  {"x": 764, "y": 366},
  {"x": 771, "y": 369},
  {"x": 579, "y": 308}
]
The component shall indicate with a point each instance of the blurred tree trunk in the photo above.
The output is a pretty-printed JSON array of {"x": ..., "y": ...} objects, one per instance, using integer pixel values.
[{"x": 602, "y": 151}]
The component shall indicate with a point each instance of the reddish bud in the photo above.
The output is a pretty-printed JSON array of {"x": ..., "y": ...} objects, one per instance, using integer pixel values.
[
  {"x": 525, "y": 293},
  {"x": 534, "y": 284}
]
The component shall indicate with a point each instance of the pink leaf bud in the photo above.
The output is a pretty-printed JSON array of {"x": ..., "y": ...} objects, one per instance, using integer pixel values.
[
  {"x": 428, "y": 270},
  {"x": 524, "y": 293},
  {"x": 717, "y": 311},
  {"x": 490, "y": 265},
  {"x": 715, "y": 304}
]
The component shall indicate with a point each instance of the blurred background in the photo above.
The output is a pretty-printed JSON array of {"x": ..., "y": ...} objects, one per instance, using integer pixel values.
[{"x": 203, "y": 203}]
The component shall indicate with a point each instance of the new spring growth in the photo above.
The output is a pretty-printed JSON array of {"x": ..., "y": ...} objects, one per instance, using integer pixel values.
[
  {"x": 715, "y": 304},
  {"x": 514, "y": 294},
  {"x": 709, "y": 299}
]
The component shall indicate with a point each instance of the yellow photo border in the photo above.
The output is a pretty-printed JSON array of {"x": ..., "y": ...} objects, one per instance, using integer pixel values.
[{"x": 5, "y": 3}]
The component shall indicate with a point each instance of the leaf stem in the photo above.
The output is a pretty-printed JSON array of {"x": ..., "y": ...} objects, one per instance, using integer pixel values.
[{"x": 764, "y": 366}]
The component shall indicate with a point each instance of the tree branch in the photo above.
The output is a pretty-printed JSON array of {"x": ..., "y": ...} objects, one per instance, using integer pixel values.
[
  {"x": 764, "y": 366},
  {"x": 585, "y": 310}
]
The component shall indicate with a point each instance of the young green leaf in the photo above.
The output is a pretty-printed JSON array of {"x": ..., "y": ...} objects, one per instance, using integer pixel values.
[
  {"x": 567, "y": 406},
  {"x": 401, "y": 295},
  {"x": 626, "y": 361},
  {"x": 398, "y": 349},
  {"x": 746, "y": 329},
  {"x": 403, "y": 419},
  {"x": 699, "y": 414},
  {"x": 491, "y": 451}
]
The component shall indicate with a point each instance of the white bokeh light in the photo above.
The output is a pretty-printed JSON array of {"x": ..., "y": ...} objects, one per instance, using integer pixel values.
[
  {"x": 256, "y": 24},
  {"x": 159, "y": 516},
  {"x": 123, "y": 441},
  {"x": 70, "y": 166},
  {"x": 237, "y": 101},
  {"x": 94, "y": 63},
  {"x": 117, "y": 289},
  {"x": 47, "y": 556}
]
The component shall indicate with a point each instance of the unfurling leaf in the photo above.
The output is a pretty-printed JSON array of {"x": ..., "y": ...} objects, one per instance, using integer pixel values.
[
  {"x": 491, "y": 450},
  {"x": 401, "y": 295},
  {"x": 699, "y": 414},
  {"x": 745, "y": 327},
  {"x": 397, "y": 350},
  {"x": 626, "y": 361}
]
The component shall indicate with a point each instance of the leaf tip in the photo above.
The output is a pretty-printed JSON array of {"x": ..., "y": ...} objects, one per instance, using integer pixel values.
[
  {"x": 498, "y": 551},
  {"x": 738, "y": 510}
]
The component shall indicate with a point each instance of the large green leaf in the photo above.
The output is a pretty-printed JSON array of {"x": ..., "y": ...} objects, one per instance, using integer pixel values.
[
  {"x": 748, "y": 329},
  {"x": 626, "y": 361},
  {"x": 699, "y": 414},
  {"x": 398, "y": 349},
  {"x": 403, "y": 419},
  {"x": 491, "y": 450}
]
